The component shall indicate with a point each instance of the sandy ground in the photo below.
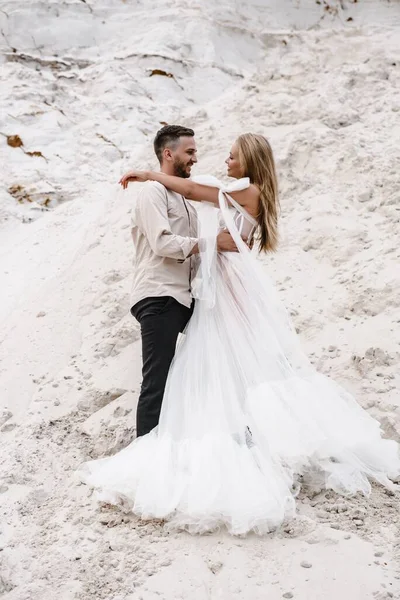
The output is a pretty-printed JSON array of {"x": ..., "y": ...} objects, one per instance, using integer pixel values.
[{"x": 322, "y": 80}]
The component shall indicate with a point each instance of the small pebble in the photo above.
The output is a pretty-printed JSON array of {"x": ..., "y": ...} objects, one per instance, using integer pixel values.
[
  {"x": 364, "y": 196},
  {"x": 287, "y": 595},
  {"x": 5, "y": 415},
  {"x": 215, "y": 567},
  {"x": 321, "y": 514},
  {"x": 379, "y": 554},
  {"x": 358, "y": 513},
  {"x": 358, "y": 522},
  {"x": 41, "y": 314},
  {"x": 8, "y": 427},
  {"x": 305, "y": 564}
]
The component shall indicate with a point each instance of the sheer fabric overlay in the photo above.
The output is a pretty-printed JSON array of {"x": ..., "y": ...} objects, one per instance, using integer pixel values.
[{"x": 244, "y": 414}]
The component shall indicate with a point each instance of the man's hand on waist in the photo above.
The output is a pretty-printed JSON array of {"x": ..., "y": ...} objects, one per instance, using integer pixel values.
[{"x": 225, "y": 242}]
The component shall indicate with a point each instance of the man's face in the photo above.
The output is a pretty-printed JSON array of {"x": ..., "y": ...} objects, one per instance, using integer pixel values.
[{"x": 184, "y": 156}]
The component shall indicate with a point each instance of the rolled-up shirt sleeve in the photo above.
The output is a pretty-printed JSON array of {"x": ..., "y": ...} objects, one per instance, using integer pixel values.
[{"x": 152, "y": 218}]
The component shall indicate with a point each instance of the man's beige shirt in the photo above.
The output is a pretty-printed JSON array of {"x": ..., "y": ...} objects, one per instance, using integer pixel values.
[{"x": 164, "y": 232}]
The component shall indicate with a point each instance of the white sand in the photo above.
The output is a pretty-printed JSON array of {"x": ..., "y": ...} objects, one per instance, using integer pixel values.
[{"x": 326, "y": 90}]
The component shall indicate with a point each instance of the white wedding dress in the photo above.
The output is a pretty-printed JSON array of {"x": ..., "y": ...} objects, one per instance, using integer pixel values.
[{"x": 244, "y": 413}]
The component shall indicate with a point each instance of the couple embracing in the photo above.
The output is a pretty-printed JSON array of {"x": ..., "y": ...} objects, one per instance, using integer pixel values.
[{"x": 232, "y": 414}]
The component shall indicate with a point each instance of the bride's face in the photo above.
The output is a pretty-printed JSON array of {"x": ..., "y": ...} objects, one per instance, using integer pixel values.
[{"x": 233, "y": 164}]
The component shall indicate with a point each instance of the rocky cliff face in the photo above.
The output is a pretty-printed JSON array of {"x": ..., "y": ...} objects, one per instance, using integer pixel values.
[{"x": 86, "y": 84}]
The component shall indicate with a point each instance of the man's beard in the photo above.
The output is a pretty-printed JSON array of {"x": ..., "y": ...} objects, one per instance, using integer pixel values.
[{"x": 180, "y": 169}]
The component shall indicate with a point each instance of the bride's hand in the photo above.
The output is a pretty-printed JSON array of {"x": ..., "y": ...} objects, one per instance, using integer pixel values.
[{"x": 133, "y": 176}]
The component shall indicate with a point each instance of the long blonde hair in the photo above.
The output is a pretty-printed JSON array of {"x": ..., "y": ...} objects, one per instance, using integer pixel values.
[{"x": 257, "y": 162}]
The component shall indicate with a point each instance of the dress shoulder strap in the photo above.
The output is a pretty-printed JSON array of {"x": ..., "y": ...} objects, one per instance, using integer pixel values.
[{"x": 242, "y": 210}]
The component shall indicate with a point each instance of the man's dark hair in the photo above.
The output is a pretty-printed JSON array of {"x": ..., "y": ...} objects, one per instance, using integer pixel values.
[{"x": 169, "y": 136}]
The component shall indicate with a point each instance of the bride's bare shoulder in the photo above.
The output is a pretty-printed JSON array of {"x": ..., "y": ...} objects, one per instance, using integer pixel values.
[
  {"x": 254, "y": 190},
  {"x": 248, "y": 198}
]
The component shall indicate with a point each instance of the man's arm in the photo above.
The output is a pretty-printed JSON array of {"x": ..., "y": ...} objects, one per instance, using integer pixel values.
[
  {"x": 152, "y": 218},
  {"x": 225, "y": 243}
]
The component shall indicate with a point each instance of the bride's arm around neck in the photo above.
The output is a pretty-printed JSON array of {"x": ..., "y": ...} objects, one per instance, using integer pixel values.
[{"x": 248, "y": 198}]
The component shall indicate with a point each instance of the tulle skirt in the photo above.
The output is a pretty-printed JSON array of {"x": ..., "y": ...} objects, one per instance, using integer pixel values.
[{"x": 244, "y": 416}]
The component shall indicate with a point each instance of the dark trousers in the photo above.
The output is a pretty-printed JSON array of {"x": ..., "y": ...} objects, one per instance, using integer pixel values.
[{"x": 161, "y": 320}]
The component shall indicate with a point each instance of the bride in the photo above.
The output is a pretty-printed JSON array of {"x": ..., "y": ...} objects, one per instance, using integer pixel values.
[{"x": 244, "y": 414}]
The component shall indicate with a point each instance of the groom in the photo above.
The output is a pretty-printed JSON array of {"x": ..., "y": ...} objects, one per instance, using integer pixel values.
[{"x": 165, "y": 236}]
